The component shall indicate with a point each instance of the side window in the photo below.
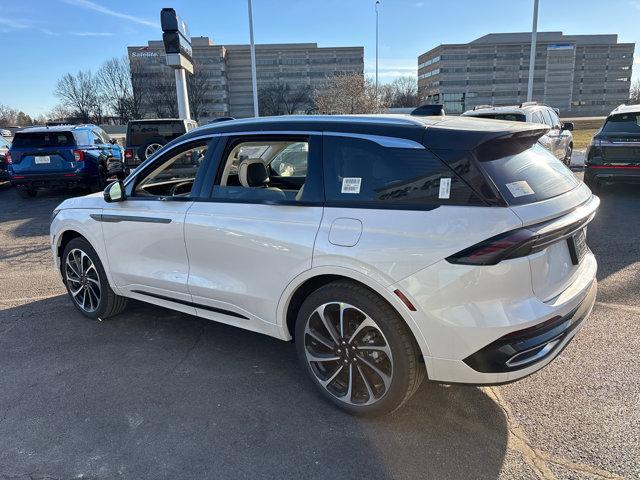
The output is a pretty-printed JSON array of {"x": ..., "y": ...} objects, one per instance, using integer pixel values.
[
  {"x": 555, "y": 120},
  {"x": 537, "y": 118},
  {"x": 96, "y": 139},
  {"x": 547, "y": 117},
  {"x": 173, "y": 176},
  {"x": 361, "y": 171},
  {"x": 263, "y": 169}
]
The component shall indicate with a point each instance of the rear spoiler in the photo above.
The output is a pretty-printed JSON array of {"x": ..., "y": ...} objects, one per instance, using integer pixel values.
[{"x": 508, "y": 144}]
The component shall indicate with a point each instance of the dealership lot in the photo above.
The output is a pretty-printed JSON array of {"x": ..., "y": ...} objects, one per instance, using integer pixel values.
[{"x": 157, "y": 394}]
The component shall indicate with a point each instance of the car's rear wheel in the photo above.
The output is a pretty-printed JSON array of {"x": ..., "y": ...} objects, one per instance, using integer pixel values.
[
  {"x": 86, "y": 281},
  {"x": 357, "y": 349},
  {"x": 101, "y": 181},
  {"x": 592, "y": 183},
  {"x": 26, "y": 192}
]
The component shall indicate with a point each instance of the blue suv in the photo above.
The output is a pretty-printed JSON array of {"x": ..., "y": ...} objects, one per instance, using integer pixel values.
[{"x": 63, "y": 156}]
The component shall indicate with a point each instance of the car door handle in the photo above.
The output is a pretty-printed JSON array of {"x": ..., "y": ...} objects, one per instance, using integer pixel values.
[{"x": 101, "y": 217}]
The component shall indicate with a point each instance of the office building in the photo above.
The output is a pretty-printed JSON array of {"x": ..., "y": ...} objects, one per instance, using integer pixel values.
[
  {"x": 222, "y": 80},
  {"x": 582, "y": 75}
]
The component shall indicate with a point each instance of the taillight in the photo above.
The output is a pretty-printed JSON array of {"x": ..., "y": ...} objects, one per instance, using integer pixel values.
[
  {"x": 516, "y": 243},
  {"x": 7, "y": 159},
  {"x": 78, "y": 155},
  {"x": 128, "y": 154}
]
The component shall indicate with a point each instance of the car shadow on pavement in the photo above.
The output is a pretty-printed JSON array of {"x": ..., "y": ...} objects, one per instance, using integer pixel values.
[{"x": 158, "y": 394}]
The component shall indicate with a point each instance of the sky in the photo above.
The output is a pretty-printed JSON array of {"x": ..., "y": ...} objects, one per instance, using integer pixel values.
[{"x": 43, "y": 39}]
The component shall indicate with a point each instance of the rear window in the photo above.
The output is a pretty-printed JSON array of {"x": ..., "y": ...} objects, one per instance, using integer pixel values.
[
  {"x": 359, "y": 171},
  {"x": 530, "y": 176},
  {"x": 43, "y": 139},
  {"x": 623, "y": 123},
  {"x": 512, "y": 117},
  {"x": 140, "y": 132}
]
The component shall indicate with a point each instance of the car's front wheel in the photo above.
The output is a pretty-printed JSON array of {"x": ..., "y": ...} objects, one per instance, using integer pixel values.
[
  {"x": 357, "y": 349},
  {"x": 86, "y": 281}
]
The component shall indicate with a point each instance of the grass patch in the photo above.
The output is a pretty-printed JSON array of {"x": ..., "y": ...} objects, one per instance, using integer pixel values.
[{"x": 582, "y": 138}]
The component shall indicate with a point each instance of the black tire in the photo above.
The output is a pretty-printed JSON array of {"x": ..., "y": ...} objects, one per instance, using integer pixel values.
[
  {"x": 406, "y": 369},
  {"x": 26, "y": 192},
  {"x": 142, "y": 151},
  {"x": 101, "y": 181},
  {"x": 592, "y": 183},
  {"x": 109, "y": 304}
]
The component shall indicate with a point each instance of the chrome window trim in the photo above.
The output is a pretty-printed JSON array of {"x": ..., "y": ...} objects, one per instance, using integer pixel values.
[{"x": 390, "y": 142}]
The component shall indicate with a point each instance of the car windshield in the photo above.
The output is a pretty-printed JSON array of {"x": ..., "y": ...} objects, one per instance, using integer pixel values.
[
  {"x": 513, "y": 117},
  {"x": 43, "y": 139},
  {"x": 622, "y": 123}
]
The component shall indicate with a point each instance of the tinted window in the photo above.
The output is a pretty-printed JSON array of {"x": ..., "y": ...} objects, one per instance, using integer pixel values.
[
  {"x": 513, "y": 117},
  {"x": 3, "y": 143},
  {"x": 359, "y": 170},
  {"x": 83, "y": 137},
  {"x": 140, "y": 132},
  {"x": 623, "y": 123},
  {"x": 530, "y": 176},
  {"x": 174, "y": 177},
  {"x": 43, "y": 139}
]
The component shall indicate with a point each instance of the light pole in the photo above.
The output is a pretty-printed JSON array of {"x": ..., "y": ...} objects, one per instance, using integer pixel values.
[
  {"x": 254, "y": 79},
  {"x": 532, "y": 55},
  {"x": 377, "y": 4}
]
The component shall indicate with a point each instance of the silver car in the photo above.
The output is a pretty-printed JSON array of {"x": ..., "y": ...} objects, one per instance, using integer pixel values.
[{"x": 558, "y": 140}]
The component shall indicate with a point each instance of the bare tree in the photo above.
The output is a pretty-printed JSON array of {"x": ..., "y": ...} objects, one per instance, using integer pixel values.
[
  {"x": 634, "y": 93},
  {"x": 401, "y": 93},
  {"x": 282, "y": 99},
  {"x": 59, "y": 112},
  {"x": 79, "y": 93},
  {"x": 348, "y": 94},
  {"x": 140, "y": 91},
  {"x": 8, "y": 115},
  {"x": 198, "y": 85},
  {"x": 114, "y": 82}
]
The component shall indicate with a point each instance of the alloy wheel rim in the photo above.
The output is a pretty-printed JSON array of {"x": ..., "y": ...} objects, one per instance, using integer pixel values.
[
  {"x": 151, "y": 149},
  {"x": 348, "y": 354},
  {"x": 83, "y": 280}
]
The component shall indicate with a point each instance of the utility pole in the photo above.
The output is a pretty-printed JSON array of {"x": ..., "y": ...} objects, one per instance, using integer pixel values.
[
  {"x": 532, "y": 56},
  {"x": 254, "y": 78},
  {"x": 377, "y": 4}
]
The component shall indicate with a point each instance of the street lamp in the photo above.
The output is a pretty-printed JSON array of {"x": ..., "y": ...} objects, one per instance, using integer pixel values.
[
  {"x": 377, "y": 4},
  {"x": 532, "y": 55},
  {"x": 254, "y": 79}
]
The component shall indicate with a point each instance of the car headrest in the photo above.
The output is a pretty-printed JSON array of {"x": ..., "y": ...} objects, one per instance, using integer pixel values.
[{"x": 252, "y": 172}]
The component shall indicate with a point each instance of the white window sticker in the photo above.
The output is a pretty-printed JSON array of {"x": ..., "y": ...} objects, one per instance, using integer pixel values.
[
  {"x": 445, "y": 188},
  {"x": 519, "y": 189},
  {"x": 351, "y": 184}
]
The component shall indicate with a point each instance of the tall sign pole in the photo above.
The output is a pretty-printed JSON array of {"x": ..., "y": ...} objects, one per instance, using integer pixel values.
[
  {"x": 254, "y": 78},
  {"x": 532, "y": 55},
  {"x": 177, "y": 46},
  {"x": 377, "y": 4}
]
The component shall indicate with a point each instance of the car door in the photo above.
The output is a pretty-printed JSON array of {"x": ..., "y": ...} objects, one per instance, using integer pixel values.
[
  {"x": 254, "y": 235},
  {"x": 144, "y": 234}
]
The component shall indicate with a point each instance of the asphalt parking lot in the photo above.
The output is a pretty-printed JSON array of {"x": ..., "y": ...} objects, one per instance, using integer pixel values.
[{"x": 157, "y": 394}]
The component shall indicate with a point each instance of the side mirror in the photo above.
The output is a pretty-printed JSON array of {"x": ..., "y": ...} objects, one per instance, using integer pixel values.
[
  {"x": 115, "y": 192},
  {"x": 567, "y": 126},
  {"x": 113, "y": 141}
]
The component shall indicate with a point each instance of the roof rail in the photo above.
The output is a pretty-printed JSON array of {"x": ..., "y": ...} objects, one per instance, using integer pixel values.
[
  {"x": 220, "y": 119},
  {"x": 480, "y": 107},
  {"x": 619, "y": 107},
  {"x": 528, "y": 104}
]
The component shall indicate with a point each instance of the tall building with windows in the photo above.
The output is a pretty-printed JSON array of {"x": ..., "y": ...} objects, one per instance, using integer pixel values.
[
  {"x": 581, "y": 75},
  {"x": 221, "y": 83}
]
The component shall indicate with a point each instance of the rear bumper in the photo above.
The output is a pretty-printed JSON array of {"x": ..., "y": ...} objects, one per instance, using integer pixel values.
[
  {"x": 617, "y": 174},
  {"x": 54, "y": 180}
]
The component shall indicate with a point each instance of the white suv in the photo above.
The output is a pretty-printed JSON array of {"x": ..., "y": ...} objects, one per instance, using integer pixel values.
[
  {"x": 558, "y": 140},
  {"x": 387, "y": 247}
]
